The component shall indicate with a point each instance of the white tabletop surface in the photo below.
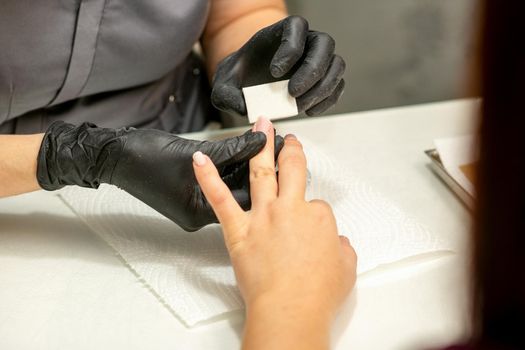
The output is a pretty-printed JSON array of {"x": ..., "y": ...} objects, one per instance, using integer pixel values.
[{"x": 61, "y": 287}]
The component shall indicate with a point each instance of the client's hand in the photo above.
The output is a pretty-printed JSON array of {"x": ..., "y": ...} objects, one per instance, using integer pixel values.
[{"x": 293, "y": 269}]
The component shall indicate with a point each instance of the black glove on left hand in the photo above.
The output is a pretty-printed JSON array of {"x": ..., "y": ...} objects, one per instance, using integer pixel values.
[
  {"x": 284, "y": 50},
  {"x": 152, "y": 165}
]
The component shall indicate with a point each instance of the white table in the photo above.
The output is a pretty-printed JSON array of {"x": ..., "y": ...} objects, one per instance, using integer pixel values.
[{"x": 61, "y": 287}]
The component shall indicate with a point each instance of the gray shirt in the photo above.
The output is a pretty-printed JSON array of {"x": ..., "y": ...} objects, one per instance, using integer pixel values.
[{"x": 112, "y": 62}]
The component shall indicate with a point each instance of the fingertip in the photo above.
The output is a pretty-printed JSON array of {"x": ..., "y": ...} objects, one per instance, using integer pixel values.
[
  {"x": 292, "y": 140},
  {"x": 294, "y": 33},
  {"x": 344, "y": 240},
  {"x": 286, "y": 58},
  {"x": 328, "y": 102},
  {"x": 264, "y": 125},
  {"x": 277, "y": 71},
  {"x": 313, "y": 112},
  {"x": 295, "y": 87},
  {"x": 300, "y": 22},
  {"x": 228, "y": 98},
  {"x": 348, "y": 249},
  {"x": 258, "y": 137},
  {"x": 340, "y": 63},
  {"x": 199, "y": 159},
  {"x": 204, "y": 169}
]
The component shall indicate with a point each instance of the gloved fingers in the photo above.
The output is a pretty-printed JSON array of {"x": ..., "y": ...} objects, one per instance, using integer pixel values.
[
  {"x": 242, "y": 196},
  {"x": 208, "y": 214},
  {"x": 237, "y": 175},
  {"x": 328, "y": 102},
  {"x": 279, "y": 143},
  {"x": 319, "y": 50},
  {"x": 237, "y": 178},
  {"x": 228, "y": 97},
  {"x": 293, "y": 39},
  {"x": 236, "y": 149},
  {"x": 325, "y": 87}
]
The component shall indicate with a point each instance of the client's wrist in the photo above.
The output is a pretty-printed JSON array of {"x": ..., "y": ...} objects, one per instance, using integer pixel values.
[
  {"x": 299, "y": 307},
  {"x": 292, "y": 304},
  {"x": 287, "y": 323}
]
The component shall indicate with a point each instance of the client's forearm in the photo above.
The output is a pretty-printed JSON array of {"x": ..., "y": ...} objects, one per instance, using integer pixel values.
[{"x": 18, "y": 161}]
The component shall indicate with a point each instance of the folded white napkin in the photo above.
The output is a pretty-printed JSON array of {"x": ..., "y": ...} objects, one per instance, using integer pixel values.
[{"x": 190, "y": 273}]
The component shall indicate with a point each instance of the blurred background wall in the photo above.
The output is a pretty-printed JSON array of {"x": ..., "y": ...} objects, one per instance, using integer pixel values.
[{"x": 399, "y": 52}]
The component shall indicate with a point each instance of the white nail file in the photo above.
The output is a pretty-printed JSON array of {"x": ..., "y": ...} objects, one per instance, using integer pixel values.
[{"x": 271, "y": 101}]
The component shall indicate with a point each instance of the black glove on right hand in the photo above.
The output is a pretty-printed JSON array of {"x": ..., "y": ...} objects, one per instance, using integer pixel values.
[
  {"x": 284, "y": 50},
  {"x": 152, "y": 165}
]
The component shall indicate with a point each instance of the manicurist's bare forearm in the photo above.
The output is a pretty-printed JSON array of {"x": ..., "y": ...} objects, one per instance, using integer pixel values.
[
  {"x": 232, "y": 22},
  {"x": 18, "y": 160}
]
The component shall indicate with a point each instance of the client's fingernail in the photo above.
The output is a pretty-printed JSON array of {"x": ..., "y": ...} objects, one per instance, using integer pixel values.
[
  {"x": 344, "y": 240},
  {"x": 263, "y": 125},
  {"x": 199, "y": 158},
  {"x": 290, "y": 137}
]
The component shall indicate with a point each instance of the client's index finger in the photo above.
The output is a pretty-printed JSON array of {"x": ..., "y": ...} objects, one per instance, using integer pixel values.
[
  {"x": 292, "y": 169},
  {"x": 216, "y": 191}
]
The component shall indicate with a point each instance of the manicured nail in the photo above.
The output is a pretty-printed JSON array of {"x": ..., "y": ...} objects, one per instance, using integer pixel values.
[
  {"x": 263, "y": 125},
  {"x": 290, "y": 137},
  {"x": 199, "y": 158},
  {"x": 344, "y": 239}
]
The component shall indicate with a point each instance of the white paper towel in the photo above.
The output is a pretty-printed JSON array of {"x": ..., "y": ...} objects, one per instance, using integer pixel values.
[{"x": 190, "y": 272}]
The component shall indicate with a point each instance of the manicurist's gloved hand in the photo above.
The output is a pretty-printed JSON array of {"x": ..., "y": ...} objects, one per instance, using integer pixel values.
[
  {"x": 152, "y": 165},
  {"x": 284, "y": 50}
]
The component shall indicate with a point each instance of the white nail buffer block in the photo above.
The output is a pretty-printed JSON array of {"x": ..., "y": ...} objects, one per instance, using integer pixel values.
[{"x": 271, "y": 101}]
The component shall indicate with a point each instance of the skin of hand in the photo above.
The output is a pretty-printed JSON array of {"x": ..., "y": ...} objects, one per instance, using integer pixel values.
[
  {"x": 18, "y": 154},
  {"x": 292, "y": 268},
  {"x": 287, "y": 49},
  {"x": 151, "y": 165}
]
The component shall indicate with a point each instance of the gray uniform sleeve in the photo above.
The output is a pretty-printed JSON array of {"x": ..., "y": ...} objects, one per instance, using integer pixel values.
[{"x": 115, "y": 63}]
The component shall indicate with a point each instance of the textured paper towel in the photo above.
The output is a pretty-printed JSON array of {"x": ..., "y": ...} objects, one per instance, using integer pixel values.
[{"x": 190, "y": 272}]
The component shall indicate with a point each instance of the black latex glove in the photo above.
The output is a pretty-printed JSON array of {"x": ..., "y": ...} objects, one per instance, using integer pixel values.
[
  {"x": 284, "y": 50},
  {"x": 152, "y": 165}
]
